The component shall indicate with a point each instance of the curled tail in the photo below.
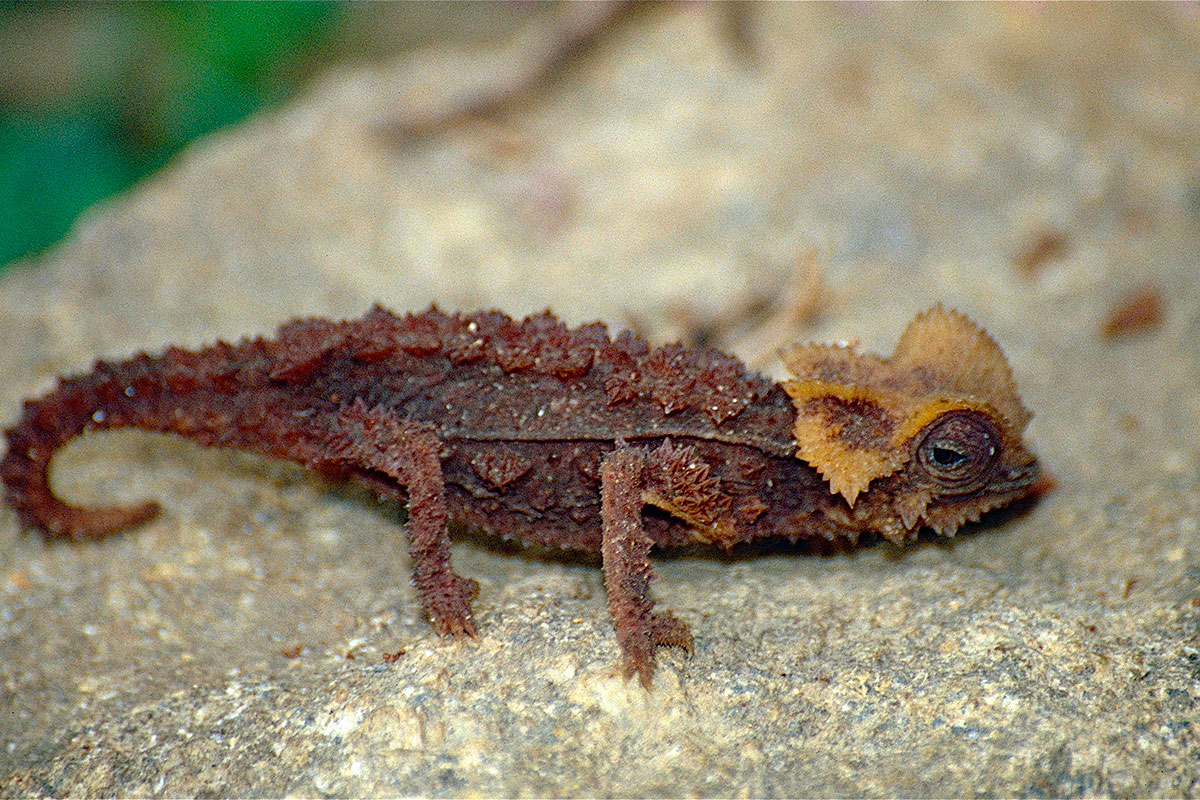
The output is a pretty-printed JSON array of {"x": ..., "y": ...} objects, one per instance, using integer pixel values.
[{"x": 163, "y": 393}]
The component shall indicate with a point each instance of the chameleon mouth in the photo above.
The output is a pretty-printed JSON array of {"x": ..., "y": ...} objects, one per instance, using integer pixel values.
[
  {"x": 1008, "y": 484},
  {"x": 1018, "y": 481}
]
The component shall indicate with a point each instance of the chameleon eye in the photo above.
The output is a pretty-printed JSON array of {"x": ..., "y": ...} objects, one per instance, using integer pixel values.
[{"x": 957, "y": 450}]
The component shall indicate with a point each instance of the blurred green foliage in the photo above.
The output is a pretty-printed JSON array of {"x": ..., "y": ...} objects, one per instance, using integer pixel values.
[{"x": 94, "y": 97}]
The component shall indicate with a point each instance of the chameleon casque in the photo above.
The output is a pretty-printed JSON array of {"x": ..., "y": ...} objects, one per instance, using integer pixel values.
[{"x": 570, "y": 438}]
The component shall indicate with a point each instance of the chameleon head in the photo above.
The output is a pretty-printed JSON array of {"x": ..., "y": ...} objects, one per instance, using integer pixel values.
[{"x": 931, "y": 437}]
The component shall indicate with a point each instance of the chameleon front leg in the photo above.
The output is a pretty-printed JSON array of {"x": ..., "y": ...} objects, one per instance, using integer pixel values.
[
  {"x": 375, "y": 439},
  {"x": 625, "y": 550}
]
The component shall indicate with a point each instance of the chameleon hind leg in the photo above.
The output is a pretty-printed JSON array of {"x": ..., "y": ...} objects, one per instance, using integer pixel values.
[
  {"x": 625, "y": 550},
  {"x": 408, "y": 453}
]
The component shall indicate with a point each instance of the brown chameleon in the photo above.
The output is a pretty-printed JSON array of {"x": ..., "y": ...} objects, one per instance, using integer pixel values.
[{"x": 571, "y": 438}]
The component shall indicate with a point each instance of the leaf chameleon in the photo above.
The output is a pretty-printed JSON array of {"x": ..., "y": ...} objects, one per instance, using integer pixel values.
[{"x": 570, "y": 438}]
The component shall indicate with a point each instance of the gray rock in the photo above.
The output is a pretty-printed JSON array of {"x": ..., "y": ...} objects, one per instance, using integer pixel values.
[{"x": 236, "y": 645}]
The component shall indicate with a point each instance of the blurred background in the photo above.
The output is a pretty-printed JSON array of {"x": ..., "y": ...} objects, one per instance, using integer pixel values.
[
  {"x": 803, "y": 171},
  {"x": 94, "y": 96}
]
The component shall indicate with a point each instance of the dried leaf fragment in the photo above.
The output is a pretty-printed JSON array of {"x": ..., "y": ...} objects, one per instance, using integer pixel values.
[{"x": 1138, "y": 311}]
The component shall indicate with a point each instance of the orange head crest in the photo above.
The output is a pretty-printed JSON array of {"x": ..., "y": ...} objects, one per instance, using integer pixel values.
[{"x": 941, "y": 419}]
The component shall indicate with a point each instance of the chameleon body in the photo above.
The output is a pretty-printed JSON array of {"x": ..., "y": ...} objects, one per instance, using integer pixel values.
[{"x": 570, "y": 438}]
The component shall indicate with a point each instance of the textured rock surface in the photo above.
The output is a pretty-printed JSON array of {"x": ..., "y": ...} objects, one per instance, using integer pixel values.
[{"x": 236, "y": 645}]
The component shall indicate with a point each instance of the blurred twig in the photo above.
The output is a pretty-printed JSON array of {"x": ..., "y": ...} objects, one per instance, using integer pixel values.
[
  {"x": 553, "y": 44},
  {"x": 797, "y": 304},
  {"x": 570, "y": 30}
]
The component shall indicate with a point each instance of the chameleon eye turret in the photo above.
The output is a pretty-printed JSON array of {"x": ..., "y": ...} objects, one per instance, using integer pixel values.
[{"x": 957, "y": 452}]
